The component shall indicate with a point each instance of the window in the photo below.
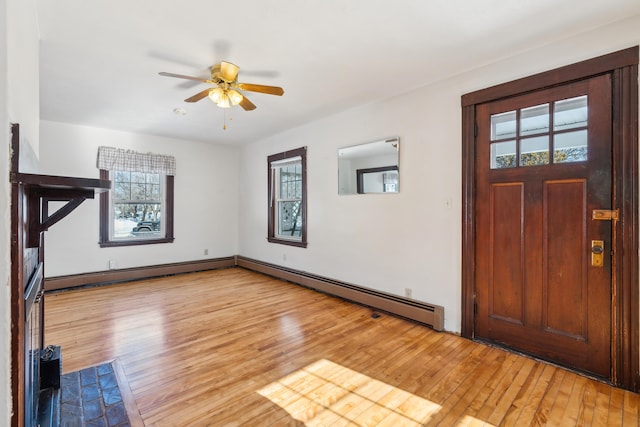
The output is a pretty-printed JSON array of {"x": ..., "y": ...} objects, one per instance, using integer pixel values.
[
  {"x": 287, "y": 182},
  {"x": 139, "y": 207},
  {"x": 558, "y": 127}
]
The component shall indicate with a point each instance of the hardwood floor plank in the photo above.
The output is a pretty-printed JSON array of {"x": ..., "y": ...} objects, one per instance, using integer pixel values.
[
  {"x": 630, "y": 414},
  {"x": 532, "y": 401},
  {"x": 585, "y": 416},
  {"x": 523, "y": 394},
  {"x": 616, "y": 403},
  {"x": 237, "y": 348},
  {"x": 575, "y": 401},
  {"x": 601, "y": 411},
  {"x": 505, "y": 403}
]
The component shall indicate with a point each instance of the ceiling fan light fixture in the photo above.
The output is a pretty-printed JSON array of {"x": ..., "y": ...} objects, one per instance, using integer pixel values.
[
  {"x": 216, "y": 95},
  {"x": 235, "y": 97},
  {"x": 223, "y": 102}
]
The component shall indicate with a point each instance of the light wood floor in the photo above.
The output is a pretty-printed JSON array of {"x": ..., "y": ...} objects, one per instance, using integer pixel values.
[{"x": 237, "y": 348}]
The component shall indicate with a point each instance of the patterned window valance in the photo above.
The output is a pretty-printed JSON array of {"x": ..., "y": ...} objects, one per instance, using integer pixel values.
[{"x": 110, "y": 158}]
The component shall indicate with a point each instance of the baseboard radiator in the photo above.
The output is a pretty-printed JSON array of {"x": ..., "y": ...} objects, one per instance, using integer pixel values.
[
  {"x": 136, "y": 273},
  {"x": 428, "y": 314}
]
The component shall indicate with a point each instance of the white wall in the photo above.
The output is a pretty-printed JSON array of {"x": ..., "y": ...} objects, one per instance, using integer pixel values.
[
  {"x": 411, "y": 239},
  {"x": 18, "y": 104},
  {"x": 5, "y": 222},
  {"x": 206, "y": 200}
]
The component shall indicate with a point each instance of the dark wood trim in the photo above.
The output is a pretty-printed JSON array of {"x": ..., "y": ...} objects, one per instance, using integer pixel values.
[
  {"x": 42, "y": 189},
  {"x": 17, "y": 288},
  {"x": 578, "y": 71},
  {"x": 468, "y": 223},
  {"x": 168, "y": 206},
  {"x": 428, "y": 314},
  {"x": 135, "y": 273},
  {"x": 271, "y": 207},
  {"x": 361, "y": 172},
  {"x": 104, "y": 241},
  {"x": 626, "y": 345},
  {"x": 623, "y": 66},
  {"x": 104, "y": 212}
]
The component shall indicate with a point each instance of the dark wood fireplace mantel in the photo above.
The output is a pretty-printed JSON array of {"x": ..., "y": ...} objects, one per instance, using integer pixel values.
[{"x": 42, "y": 189}]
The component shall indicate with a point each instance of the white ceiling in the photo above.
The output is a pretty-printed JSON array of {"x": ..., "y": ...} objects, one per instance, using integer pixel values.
[{"x": 99, "y": 60}]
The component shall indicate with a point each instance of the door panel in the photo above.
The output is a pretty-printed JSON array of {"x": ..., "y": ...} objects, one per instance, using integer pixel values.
[
  {"x": 507, "y": 253},
  {"x": 564, "y": 278},
  {"x": 543, "y": 164}
]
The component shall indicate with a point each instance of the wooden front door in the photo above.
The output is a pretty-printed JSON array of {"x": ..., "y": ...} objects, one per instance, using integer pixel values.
[{"x": 543, "y": 264}]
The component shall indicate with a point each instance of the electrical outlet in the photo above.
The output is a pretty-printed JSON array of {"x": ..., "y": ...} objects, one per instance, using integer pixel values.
[
  {"x": 113, "y": 264},
  {"x": 408, "y": 292},
  {"x": 206, "y": 251},
  {"x": 284, "y": 257}
]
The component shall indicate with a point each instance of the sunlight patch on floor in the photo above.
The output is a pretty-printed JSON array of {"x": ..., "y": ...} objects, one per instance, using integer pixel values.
[{"x": 326, "y": 393}]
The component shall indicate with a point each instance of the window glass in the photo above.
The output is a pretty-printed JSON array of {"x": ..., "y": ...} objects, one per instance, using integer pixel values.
[
  {"x": 534, "y": 151},
  {"x": 503, "y": 155},
  {"x": 503, "y": 125},
  {"x": 136, "y": 206},
  {"x": 289, "y": 200},
  {"x": 570, "y": 113},
  {"x": 570, "y": 147},
  {"x": 534, "y": 120}
]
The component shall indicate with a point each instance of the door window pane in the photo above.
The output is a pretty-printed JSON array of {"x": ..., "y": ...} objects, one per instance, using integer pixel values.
[
  {"x": 534, "y": 120},
  {"x": 503, "y": 155},
  {"x": 503, "y": 125},
  {"x": 534, "y": 151},
  {"x": 570, "y": 147},
  {"x": 570, "y": 113}
]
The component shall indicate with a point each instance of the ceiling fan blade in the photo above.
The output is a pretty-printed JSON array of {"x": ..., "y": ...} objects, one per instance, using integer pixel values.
[
  {"x": 271, "y": 90},
  {"x": 228, "y": 71},
  {"x": 181, "y": 76},
  {"x": 246, "y": 104},
  {"x": 198, "y": 96}
]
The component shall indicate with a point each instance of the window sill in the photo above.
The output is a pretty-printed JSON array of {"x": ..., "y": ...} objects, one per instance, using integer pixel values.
[
  {"x": 113, "y": 243},
  {"x": 296, "y": 243}
]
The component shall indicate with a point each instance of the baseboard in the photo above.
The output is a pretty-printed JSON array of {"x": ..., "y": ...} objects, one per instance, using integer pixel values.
[
  {"x": 136, "y": 273},
  {"x": 428, "y": 314}
]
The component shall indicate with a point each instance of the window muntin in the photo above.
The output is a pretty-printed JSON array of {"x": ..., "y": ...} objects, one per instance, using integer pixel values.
[
  {"x": 287, "y": 197},
  {"x": 530, "y": 134}
]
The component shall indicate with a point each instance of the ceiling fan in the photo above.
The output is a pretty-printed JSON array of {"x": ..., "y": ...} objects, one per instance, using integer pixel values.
[{"x": 225, "y": 93}]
